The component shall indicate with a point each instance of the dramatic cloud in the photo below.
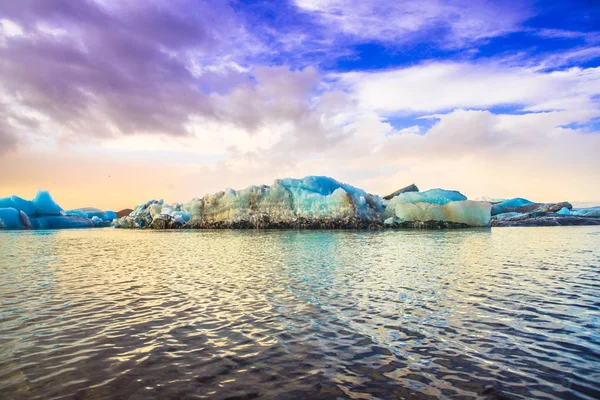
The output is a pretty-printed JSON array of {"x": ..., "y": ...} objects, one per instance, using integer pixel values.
[{"x": 112, "y": 67}]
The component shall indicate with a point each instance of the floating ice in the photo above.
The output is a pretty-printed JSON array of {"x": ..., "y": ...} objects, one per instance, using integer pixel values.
[
  {"x": 472, "y": 213},
  {"x": 10, "y": 218},
  {"x": 90, "y": 212},
  {"x": 44, "y": 204},
  {"x": 18, "y": 204},
  {"x": 433, "y": 196},
  {"x": 501, "y": 207},
  {"x": 593, "y": 212},
  {"x": 564, "y": 211},
  {"x": 43, "y": 213}
]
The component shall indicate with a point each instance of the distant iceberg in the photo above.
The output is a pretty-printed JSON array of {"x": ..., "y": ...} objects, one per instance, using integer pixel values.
[{"x": 43, "y": 213}]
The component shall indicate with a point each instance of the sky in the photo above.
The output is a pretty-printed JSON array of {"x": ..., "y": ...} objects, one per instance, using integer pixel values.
[{"x": 110, "y": 103}]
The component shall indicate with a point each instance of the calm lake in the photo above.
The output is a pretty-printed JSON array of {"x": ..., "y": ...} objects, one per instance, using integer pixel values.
[{"x": 491, "y": 313}]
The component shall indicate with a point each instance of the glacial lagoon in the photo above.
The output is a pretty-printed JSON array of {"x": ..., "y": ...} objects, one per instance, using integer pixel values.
[{"x": 475, "y": 313}]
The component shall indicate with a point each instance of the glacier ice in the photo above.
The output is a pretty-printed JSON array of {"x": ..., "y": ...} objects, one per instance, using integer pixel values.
[
  {"x": 90, "y": 212},
  {"x": 18, "y": 204},
  {"x": 506, "y": 205},
  {"x": 564, "y": 211},
  {"x": 433, "y": 196},
  {"x": 45, "y": 205},
  {"x": 592, "y": 212},
  {"x": 77, "y": 213},
  {"x": 313, "y": 201},
  {"x": 10, "y": 218},
  {"x": 472, "y": 213},
  {"x": 43, "y": 213}
]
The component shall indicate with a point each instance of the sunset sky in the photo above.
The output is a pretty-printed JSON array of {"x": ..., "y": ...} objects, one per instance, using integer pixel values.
[{"x": 110, "y": 103}]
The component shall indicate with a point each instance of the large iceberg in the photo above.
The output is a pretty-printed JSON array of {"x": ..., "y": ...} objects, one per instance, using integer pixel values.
[
  {"x": 44, "y": 213},
  {"x": 311, "y": 202}
]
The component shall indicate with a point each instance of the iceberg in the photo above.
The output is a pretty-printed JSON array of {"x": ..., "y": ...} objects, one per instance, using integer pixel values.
[
  {"x": 44, "y": 213},
  {"x": 310, "y": 202}
]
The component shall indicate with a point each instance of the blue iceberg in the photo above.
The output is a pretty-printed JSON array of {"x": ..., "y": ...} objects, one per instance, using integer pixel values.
[{"x": 44, "y": 213}]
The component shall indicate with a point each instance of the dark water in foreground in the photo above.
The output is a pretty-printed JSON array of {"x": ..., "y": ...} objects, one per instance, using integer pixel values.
[{"x": 108, "y": 313}]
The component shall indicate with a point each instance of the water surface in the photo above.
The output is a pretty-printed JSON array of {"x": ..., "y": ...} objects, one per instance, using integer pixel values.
[{"x": 498, "y": 313}]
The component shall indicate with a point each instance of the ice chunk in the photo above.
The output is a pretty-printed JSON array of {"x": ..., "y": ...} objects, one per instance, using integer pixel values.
[
  {"x": 433, "y": 196},
  {"x": 45, "y": 205},
  {"x": 96, "y": 220},
  {"x": 500, "y": 208},
  {"x": 516, "y": 202},
  {"x": 90, "y": 212},
  {"x": 18, "y": 204},
  {"x": 472, "y": 213},
  {"x": 10, "y": 218},
  {"x": 593, "y": 212},
  {"x": 77, "y": 212},
  {"x": 564, "y": 211}
]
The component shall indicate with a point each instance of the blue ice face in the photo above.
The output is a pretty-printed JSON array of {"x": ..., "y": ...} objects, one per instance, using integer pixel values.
[
  {"x": 45, "y": 205},
  {"x": 10, "y": 218},
  {"x": 18, "y": 204}
]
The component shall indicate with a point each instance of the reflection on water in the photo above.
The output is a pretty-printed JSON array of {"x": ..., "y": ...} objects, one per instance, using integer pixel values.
[{"x": 501, "y": 313}]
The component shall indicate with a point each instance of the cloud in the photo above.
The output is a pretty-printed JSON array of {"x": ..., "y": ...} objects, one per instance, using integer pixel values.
[
  {"x": 113, "y": 68},
  {"x": 454, "y": 24},
  {"x": 434, "y": 87}
]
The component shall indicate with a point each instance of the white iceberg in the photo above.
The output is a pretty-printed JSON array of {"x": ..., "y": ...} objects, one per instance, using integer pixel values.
[{"x": 472, "y": 213}]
